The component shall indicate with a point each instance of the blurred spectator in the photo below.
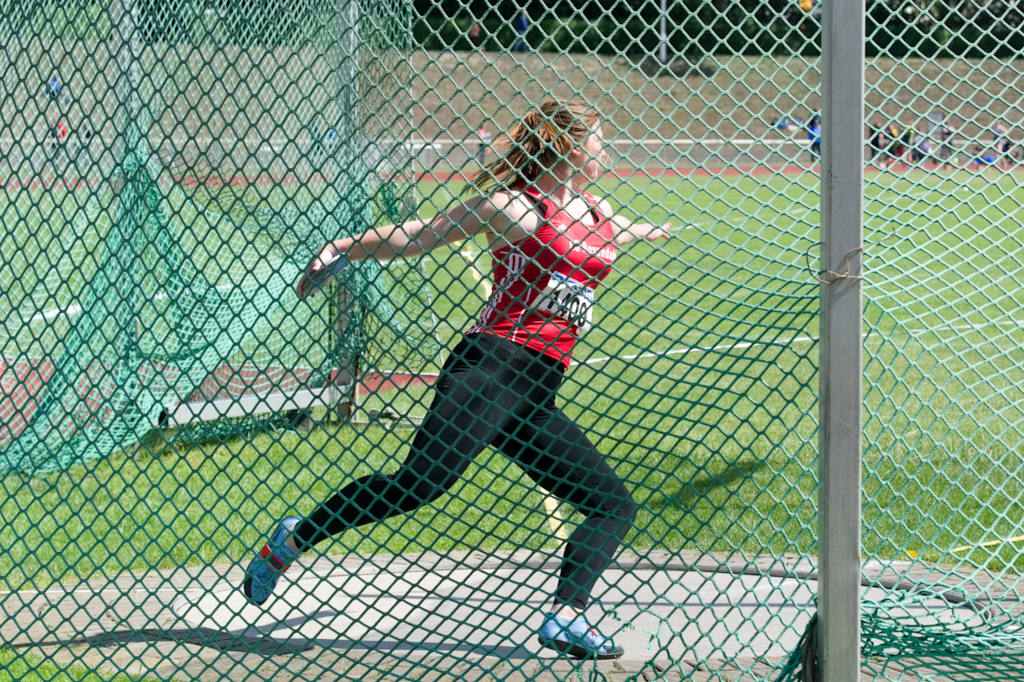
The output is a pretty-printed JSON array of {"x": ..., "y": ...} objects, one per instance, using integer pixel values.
[
  {"x": 908, "y": 141},
  {"x": 1002, "y": 145},
  {"x": 896, "y": 149},
  {"x": 982, "y": 157},
  {"x": 814, "y": 136},
  {"x": 53, "y": 87},
  {"x": 484, "y": 143},
  {"x": 58, "y": 91},
  {"x": 877, "y": 140},
  {"x": 921, "y": 144},
  {"x": 941, "y": 137},
  {"x": 58, "y": 136},
  {"x": 521, "y": 24},
  {"x": 476, "y": 36},
  {"x": 788, "y": 125}
]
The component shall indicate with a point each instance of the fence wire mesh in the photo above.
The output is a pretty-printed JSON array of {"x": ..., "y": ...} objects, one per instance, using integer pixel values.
[
  {"x": 169, "y": 168},
  {"x": 942, "y": 330}
]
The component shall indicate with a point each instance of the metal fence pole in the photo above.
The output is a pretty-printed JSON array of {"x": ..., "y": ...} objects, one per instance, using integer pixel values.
[{"x": 841, "y": 321}]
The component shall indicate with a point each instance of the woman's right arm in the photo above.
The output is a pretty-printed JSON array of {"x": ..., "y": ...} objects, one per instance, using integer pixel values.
[
  {"x": 505, "y": 218},
  {"x": 415, "y": 236},
  {"x": 499, "y": 215}
]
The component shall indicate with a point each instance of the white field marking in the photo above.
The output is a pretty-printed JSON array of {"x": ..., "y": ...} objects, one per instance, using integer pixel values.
[
  {"x": 780, "y": 342},
  {"x": 916, "y": 194},
  {"x": 701, "y": 349},
  {"x": 1011, "y": 324},
  {"x": 277, "y": 143},
  {"x": 689, "y": 142},
  {"x": 552, "y": 505},
  {"x": 75, "y": 309},
  {"x": 642, "y": 142}
]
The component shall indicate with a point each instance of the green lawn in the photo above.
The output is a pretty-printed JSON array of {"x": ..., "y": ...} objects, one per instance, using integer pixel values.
[
  {"x": 15, "y": 667},
  {"x": 708, "y": 411}
]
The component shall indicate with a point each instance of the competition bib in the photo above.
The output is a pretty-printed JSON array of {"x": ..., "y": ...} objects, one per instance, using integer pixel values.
[{"x": 566, "y": 298}]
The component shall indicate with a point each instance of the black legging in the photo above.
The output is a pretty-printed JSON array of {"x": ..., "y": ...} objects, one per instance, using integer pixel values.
[{"x": 493, "y": 391}]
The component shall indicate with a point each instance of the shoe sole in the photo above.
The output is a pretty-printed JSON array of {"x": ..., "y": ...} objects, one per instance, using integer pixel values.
[
  {"x": 247, "y": 593},
  {"x": 578, "y": 652}
]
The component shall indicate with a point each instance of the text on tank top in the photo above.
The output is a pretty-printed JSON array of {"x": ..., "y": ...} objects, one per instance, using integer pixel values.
[{"x": 544, "y": 285}]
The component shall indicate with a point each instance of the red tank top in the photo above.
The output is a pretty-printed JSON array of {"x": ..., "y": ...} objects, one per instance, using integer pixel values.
[{"x": 544, "y": 285}]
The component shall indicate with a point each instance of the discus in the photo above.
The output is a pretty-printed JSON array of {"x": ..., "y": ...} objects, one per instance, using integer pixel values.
[{"x": 310, "y": 283}]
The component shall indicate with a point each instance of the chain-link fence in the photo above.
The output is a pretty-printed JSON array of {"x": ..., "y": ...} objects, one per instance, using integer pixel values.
[
  {"x": 170, "y": 168},
  {"x": 942, "y": 425}
]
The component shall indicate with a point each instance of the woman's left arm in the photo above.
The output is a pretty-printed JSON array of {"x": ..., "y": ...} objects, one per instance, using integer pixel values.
[{"x": 626, "y": 231}]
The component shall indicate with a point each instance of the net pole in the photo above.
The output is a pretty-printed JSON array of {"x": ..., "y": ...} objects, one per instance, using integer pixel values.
[
  {"x": 841, "y": 321},
  {"x": 344, "y": 58},
  {"x": 124, "y": 18},
  {"x": 663, "y": 31}
]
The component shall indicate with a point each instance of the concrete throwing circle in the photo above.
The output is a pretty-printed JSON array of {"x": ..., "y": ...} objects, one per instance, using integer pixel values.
[{"x": 467, "y": 613}]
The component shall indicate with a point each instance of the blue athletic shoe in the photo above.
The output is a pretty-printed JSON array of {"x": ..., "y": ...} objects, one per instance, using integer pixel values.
[
  {"x": 276, "y": 556},
  {"x": 576, "y": 638}
]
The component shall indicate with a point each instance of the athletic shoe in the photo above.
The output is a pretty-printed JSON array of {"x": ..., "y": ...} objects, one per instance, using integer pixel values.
[
  {"x": 576, "y": 638},
  {"x": 276, "y": 556}
]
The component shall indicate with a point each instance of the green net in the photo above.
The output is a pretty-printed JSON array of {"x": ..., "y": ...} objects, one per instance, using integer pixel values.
[
  {"x": 166, "y": 295},
  {"x": 166, "y": 399},
  {"x": 942, "y": 481}
]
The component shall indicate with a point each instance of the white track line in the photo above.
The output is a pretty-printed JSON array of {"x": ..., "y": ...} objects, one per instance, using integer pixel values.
[
  {"x": 621, "y": 142},
  {"x": 700, "y": 349},
  {"x": 277, "y": 142},
  {"x": 1009, "y": 324},
  {"x": 781, "y": 342}
]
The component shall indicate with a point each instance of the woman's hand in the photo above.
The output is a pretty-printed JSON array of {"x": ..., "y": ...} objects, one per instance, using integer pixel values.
[
  {"x": 626, "y": 231},
  {"x": 319, "y": 268},
  {"x": 653, "y": 232},
  {"x": 631, "y": 232}
]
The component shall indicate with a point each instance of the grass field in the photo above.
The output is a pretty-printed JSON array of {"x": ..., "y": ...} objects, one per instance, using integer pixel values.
[
  {"x": 707, "y": 408},
  {"x": 15, "y": 667}
]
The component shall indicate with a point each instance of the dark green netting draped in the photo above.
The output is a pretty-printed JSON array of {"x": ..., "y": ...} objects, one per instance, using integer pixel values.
[{"x": 156, "y": 323}]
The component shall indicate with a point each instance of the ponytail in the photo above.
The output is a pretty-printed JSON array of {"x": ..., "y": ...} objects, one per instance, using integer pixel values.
[{"x": 536, "y": 144}]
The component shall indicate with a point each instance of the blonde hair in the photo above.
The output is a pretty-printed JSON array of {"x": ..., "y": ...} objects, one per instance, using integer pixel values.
[{"x": 533, "y": 146}]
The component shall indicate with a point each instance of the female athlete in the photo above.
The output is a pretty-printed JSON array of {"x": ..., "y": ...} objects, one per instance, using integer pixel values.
[{"x": 552, "y": 242}]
